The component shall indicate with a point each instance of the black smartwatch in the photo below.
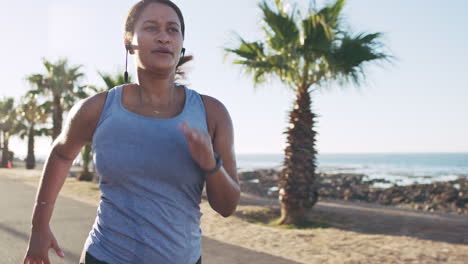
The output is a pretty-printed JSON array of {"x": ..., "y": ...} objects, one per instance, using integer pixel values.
[{"x": 219, "y": 163}]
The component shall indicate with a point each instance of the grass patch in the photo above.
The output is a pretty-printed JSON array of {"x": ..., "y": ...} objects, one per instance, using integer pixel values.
[
  {"x": 271, "y": 216},
  {"x": 82, "y": 190}
]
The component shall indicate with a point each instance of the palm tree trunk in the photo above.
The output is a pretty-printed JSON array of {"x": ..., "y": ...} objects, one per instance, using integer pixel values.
[
  {"x": 86, "y": 157},
  {"x": 57, "y": 117},
  {"x": 31, "y": 159},
  {"x": 85, "y": 174},
  {"x": 5, "y": 150},
  {"x": 297, "y": 192}
]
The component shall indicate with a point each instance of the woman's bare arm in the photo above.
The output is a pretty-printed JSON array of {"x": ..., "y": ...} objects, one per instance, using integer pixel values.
[
  {"x": 222, "y": 187},
  {"x": 79, "y": 128}
]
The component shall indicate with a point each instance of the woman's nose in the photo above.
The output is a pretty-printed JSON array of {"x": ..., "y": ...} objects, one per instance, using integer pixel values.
[{"x": 162, "y": 37}]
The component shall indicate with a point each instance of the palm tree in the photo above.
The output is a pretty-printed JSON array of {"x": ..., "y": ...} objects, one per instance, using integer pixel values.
[
  {"x": 110, "y": 81},
  {"x": 31, "y": 114},
  {"x": 8, "y": 127},
  {"x": 60, "y": 84},
  {"x": 305, "y": 53}
]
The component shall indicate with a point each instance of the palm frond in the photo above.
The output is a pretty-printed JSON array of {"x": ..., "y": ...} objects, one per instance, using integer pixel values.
[
  {"x": 249, "y": 50},
  {"x": 44, "y": 132},
  {"x": 254, "y": 60},
  {"x": 332, "y": 13},
  {"x": 92, "y": 88},
  {"x": 349, "y": 58},
  {"x": 108, "y": 80},
  {"x": 80, "y": 94},
  {"x": 48, "y": 65},
  {"x": 318, "y": 37},
  {"x": 21, "y": 130},
  {"x": 112, "y": 81},
  {"x": 70, "y": 99},
  {"x": 121, "y": 79},
  {"x": 47, "y": 107},
  {"x": 8, "y": 114},
  {"x": 37, "y": 81},
  {"x": 281, "y": 28}
]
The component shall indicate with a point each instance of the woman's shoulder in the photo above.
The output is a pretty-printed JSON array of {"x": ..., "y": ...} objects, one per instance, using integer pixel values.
[
  {"x": 213, "y": 105},
  {"x": 81, "y": 121},
  {"x": 85, "y": 114},
  {"x": 216, "y": 113},
  {"x": 90, "y": 107}
]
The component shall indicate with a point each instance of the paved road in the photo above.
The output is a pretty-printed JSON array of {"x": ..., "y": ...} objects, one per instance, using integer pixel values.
[{"x": 71, "y": 223}]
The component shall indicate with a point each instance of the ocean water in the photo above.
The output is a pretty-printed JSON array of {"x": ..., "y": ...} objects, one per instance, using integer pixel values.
[{"x": 398, "y": 168}]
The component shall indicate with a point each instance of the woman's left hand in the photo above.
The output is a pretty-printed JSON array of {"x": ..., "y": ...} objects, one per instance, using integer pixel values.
[{"x": 200, "y": 146}]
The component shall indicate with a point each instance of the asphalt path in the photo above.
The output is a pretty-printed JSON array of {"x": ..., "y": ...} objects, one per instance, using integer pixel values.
[{"x": 71, "y": 222}]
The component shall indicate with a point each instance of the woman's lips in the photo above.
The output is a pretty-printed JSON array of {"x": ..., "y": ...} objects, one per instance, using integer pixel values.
[{"x": 162, "y": 52}]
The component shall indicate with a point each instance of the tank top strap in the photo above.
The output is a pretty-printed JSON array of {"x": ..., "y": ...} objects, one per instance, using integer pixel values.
[
  {"x": 196, "y": 109},
  {"x": 193, "y": 97},
  {"x": 111, "y": 102}
]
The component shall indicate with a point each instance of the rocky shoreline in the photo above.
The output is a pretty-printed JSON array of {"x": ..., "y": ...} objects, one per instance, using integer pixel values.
[{"x": 448, "y": 196}]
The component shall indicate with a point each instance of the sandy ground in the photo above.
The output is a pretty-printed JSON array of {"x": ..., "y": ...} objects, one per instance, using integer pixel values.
[{"x": 358, "y": 233}]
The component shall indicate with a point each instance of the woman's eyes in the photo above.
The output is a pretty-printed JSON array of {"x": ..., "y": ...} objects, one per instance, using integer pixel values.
[
  {"x": 150, "y": 28},
  {"x": 153, "y": 28}
]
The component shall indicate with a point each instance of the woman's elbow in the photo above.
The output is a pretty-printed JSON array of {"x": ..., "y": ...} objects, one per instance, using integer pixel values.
[{"x": 227, "y": 213}]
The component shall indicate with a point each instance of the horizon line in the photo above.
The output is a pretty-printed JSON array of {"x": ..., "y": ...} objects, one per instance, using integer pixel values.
[{"x": 345, "y": 152}]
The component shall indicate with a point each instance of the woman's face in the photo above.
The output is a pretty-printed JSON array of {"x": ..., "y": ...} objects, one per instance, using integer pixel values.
[{"x": 158, "y": 38}]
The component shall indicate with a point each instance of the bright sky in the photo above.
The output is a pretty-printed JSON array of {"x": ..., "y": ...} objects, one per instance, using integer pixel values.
[{"x": 418, "y": 104}]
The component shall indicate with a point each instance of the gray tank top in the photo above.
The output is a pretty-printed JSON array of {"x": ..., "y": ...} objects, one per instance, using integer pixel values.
[{"x": 151, "y": 187}]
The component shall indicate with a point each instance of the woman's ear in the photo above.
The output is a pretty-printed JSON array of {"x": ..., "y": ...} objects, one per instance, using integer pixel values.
[{"x": 129, "y": 46}]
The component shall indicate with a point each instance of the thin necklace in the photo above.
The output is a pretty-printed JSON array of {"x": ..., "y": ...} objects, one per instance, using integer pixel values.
[{"x": 141, "y": 101}]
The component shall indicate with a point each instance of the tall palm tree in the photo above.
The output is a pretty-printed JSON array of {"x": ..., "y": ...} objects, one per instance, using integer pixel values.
[
  {"x": 8, "y": 127},
  {"x": 110, "y": 81},
  {"x": 31, "y": 114},
  {"x": 60, "y": 85},
  {"x": 305, "y": 53}
]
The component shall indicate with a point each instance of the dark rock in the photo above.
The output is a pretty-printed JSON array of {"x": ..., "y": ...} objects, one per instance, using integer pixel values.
[
  {"x": 398, "y": 199},
  {"x": 451, "y": 196}
]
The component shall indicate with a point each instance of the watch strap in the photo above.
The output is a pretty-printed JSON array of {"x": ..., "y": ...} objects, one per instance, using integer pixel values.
[{"x": 219, "y": 163}]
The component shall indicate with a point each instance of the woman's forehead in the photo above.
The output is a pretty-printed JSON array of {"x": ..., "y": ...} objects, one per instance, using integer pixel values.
[{"x": 159, "y": 13}]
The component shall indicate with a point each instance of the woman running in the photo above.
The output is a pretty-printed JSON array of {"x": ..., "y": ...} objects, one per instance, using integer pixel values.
[{"x": 156, "y": 144}]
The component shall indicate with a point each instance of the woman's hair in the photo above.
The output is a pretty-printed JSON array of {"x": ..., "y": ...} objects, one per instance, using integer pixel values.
[{"x": 135, "y": 13}]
